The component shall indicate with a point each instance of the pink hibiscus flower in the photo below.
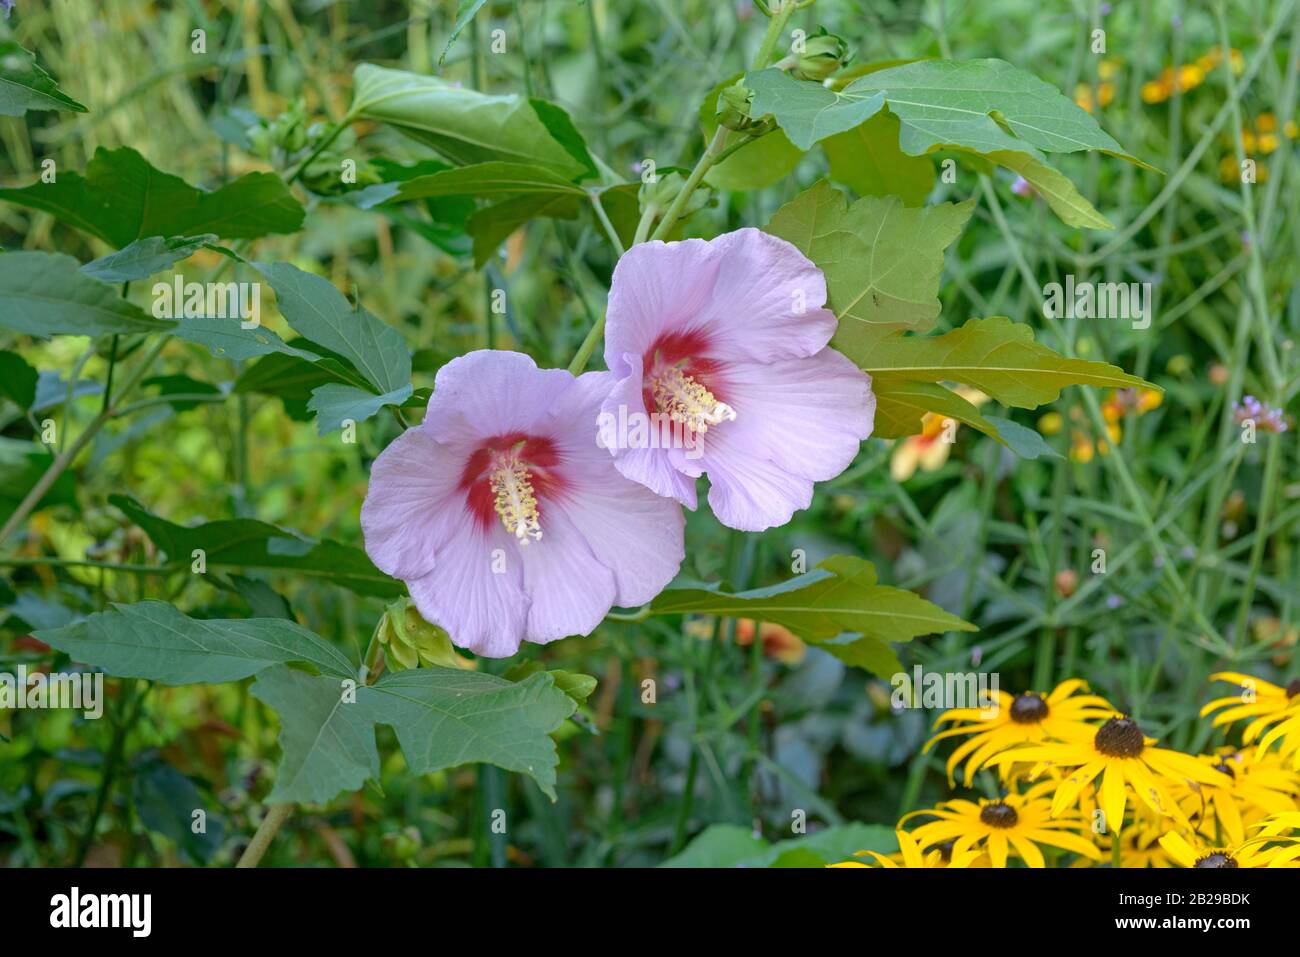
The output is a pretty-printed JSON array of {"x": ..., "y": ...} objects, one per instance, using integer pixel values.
[
  {"x": 725, "y": 344},
  {"x": 505, "y": 518}
]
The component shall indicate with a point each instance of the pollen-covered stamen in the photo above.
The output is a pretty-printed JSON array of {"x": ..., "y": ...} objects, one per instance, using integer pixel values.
[
  {"x": 683, "y": 399},
  {"x": 516, "y": 502},
  {"x": 1217, "y": 859}
]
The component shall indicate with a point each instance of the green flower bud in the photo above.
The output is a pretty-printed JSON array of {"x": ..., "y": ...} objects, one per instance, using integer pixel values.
[
  {"x": 410, "y": 641},
  {"x": 817, "y": 57},
  {"x": 733, "y": 107}
]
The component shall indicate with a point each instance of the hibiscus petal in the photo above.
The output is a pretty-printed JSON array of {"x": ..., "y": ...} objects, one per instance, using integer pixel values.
[
  {"x": 747, "y": 295},
  {"x": 632, "y": 531},
  {"x": 808, "y": 416},
  {"x": 412, "y": 503},
  {"x": 490, "y": 393},
  {"x": 476, "y": 591},
  {"x": 651, "y": 467}
]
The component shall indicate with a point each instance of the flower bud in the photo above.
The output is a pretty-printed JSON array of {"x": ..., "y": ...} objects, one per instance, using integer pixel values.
[
  {"x": 733, "y": 107},
  {"x": 410, "y": 641},
  {"x": 817, "y": 57}
]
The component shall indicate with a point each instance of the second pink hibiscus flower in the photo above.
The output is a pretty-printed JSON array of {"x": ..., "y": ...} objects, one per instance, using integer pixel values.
[{"x": 724, "y": 344}]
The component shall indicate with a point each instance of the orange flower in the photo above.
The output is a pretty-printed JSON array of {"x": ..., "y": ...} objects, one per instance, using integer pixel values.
[
  {"x": 929, "y": 449},
  {"x": 779, "y": 642}
]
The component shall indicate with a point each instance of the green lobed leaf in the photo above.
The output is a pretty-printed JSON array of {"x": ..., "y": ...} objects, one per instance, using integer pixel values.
[
  {"x": 882, "y": 260},
  {"x": 320, "y": 313},
  {"x": 494, "y": 178},
  {"x": 840, "y": 596},
  {"x": 463, "y": 125},
  {"x": 228, "y": 339},
  {"x": 986, "y": 108},
  {"x": 45, "y": 294},
  {"x": 446, "y": 717},
  {"x": 335, "y": 403},
  {"x": 808, "y": 111},
  {"x": 25, "y": 86},
  {"x": 901, "y": 405},
  {"x": 144, "y": 257},
  {"x": 123, "y": 198},
  {"x": 327, "y": 736},
  {"x": 869, "y": 161},
  {"x": 997, "y": 356},
  {"x": 155, "y": 640},
  {"x": 247, "y": 543}
]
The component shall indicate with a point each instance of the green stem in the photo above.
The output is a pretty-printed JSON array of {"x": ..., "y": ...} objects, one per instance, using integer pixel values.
[
  {"x": 276, "y": 815},
  {"x": 1272, "y": 461},
  {"x": 130, "y": 711},
  {"x": 603, "y": 216},
  {"x": 717, "y": 147}
]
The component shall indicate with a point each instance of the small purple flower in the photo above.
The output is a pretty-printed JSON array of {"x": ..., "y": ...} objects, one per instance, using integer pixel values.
[
  {"x": 1113, "y": 601},
  {"x": 726, "y": 341},
  {"x": 8, "y": 6},
  {"x": 1021, "y": 187},
  {"x": 504, "y": 517},
  {"x": 1265, "y": 417}
]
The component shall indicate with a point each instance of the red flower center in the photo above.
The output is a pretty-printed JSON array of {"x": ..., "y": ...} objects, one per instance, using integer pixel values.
[{"x": 507, "y": 478}]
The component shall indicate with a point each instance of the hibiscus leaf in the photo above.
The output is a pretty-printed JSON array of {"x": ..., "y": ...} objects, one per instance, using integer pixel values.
[
  {"x": 491, "y": 225},
  {"x": 996, "y": 356},
  {"x": 144, "y": 257},
  {"x": 446, "y": 716},
  {"x": 1025, "y": 442},
  {"x": 17, "y": 380},
  {"x": 335, "y": 403},
  {"x": 494, "y": 178},
  {"x": 1055, "y": 187},
  {"x": 869, "y": 161},
  {"x": 327, "y": 736},
  {"x": 838, "y": 598},
  {"x": 757, "y": 164},
  {"x": 44, "y": 294},
  {"x": 155, "y": 640},
  {"x": 247, "y": 543},
  {"x": 25, "y": 86},
  {"x": 809, "y": 111},
  {"x": 882, "y": 260},
  {"x": 123, "y": 198},
  {"x": 321, "y": 314},
  {"x": 230, "y": 340},
  {"x": 986, "y": 108},
  {"x": 901, "y": 404},
  {"x": 463, "y": 125}
]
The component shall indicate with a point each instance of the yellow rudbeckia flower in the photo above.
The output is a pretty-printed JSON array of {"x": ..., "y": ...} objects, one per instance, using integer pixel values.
[
  {"x": 1027, "y": 718},
  {"x": 1125, "y": 761},
  {"x": 1013, "y": 825}
]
